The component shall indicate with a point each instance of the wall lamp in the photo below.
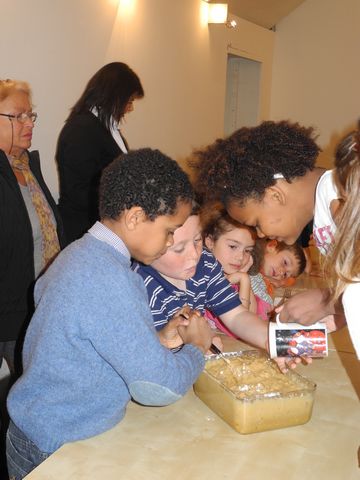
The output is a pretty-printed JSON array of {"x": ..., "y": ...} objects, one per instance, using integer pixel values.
[{"x": 218, "y": 13}]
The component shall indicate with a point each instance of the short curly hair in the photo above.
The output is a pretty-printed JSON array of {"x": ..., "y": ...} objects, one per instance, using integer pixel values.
[
  {"x": 145, "y": 178},
  {"x": 242, "y": 166}
]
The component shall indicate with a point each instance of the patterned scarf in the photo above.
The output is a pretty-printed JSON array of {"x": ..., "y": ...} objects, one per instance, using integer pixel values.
[{"x": 50, "y": 242}]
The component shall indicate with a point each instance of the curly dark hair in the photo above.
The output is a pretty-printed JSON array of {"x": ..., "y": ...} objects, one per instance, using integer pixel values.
[
  {"x": 242, "y": 166},
  {"x": 145, "y": 178}
]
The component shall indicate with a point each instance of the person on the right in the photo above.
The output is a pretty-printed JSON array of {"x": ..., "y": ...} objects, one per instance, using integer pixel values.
[
  {"x": 266, "y": 178},
  {"x": 344, "y": 258}
]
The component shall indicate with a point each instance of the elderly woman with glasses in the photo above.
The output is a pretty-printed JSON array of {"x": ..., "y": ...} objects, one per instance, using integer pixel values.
[{"x": 31, "y": 233}]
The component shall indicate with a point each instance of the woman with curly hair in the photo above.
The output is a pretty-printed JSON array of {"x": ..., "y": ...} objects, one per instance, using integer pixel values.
[{"x": 266, "y": 178}]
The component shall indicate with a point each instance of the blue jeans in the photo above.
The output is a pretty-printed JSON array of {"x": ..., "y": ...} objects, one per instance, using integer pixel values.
[{"x": 22, "y": 454}]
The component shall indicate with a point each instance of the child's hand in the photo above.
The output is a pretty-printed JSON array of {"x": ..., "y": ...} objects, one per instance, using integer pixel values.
[
  {"x": 169, "y": 335},
  {"x": 184, "y": 311},
  {"x": 197, "y": 333},
  {"x": 218, "y": 343},
  {"x": 238, "y": 277},
  {"x": 286, "y": 363},
  {"x": 245, "y": 268},
  {"x": 306, "y": 307}
]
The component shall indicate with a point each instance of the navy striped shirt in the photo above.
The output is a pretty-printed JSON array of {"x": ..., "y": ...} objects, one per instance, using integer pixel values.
[{"x": 207, "y": 289}]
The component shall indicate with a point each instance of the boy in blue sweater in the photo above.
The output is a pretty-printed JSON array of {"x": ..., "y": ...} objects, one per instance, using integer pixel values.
[{"x": 91, "y": 345}]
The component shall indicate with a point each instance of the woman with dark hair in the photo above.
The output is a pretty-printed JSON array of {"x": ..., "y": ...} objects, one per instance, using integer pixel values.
[{"x": 90, "y": 140}]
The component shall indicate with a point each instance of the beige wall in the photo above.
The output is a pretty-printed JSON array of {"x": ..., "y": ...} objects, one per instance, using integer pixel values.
[
  {"x": 316, "y": 70},
  {"x": 57, "y": 45}
]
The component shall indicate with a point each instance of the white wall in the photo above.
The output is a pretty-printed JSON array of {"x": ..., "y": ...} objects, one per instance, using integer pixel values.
[
  {"x": 316, "y": 70},
  {"x": 57, "y": 45}
]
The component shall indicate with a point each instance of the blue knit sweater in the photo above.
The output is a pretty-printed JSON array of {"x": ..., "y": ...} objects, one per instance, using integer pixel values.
[{"x": 90, "y": 347}]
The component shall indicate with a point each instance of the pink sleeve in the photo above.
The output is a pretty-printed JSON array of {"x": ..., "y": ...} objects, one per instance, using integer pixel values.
[{"x": 262, "y": 308}]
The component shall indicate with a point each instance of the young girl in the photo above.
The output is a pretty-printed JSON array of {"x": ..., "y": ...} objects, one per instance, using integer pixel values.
[
  {"x": 232, "y": 245},
  {"x": 344, "y": 259},
  {"x": 251, "y": 272}
]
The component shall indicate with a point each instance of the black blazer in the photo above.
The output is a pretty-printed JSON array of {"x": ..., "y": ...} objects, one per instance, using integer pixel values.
[
  {"x": 17, "y": 249},
  {"x": 85, "y": 147}
]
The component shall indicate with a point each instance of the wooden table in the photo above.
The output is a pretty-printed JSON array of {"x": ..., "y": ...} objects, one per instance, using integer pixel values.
[{"x": 188, "y": 441}]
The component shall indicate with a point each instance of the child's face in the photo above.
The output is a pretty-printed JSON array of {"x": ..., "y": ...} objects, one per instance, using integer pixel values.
[
  {"x": 232, "y": 249},
  {"x": 272, "y": 219},
  {"x": 279, "y": 265},
  {"x": 153, "y": 237},
  {"x": 181, "y": 259}
]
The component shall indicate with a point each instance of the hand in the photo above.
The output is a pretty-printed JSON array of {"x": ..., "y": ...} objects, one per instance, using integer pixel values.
[
  {"x": 238, "y": 277},
  {"x": 169, "y": 335},
  {"x": 286, "y": 363},
  {"x": 197, "y": 333},
  {"x": 245, "y": 268},
  {"x": 306, "y": 307},
  {"x": 218, "y": 343}
]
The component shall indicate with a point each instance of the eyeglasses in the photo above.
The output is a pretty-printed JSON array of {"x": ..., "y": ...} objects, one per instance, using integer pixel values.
[{"x": 22, "y": 117}]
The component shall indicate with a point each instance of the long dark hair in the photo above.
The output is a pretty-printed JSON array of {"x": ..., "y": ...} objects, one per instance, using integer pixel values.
[{"x": 109, "y": 91}]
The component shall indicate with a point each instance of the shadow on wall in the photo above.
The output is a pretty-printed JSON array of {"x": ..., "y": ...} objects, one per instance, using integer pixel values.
[{"x": 326, "y": 157}]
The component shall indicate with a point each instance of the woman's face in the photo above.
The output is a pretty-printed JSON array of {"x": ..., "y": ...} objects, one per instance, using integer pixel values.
[
  {"x": 129, "y": 107},
  {"x": 15, "y": 137}
]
